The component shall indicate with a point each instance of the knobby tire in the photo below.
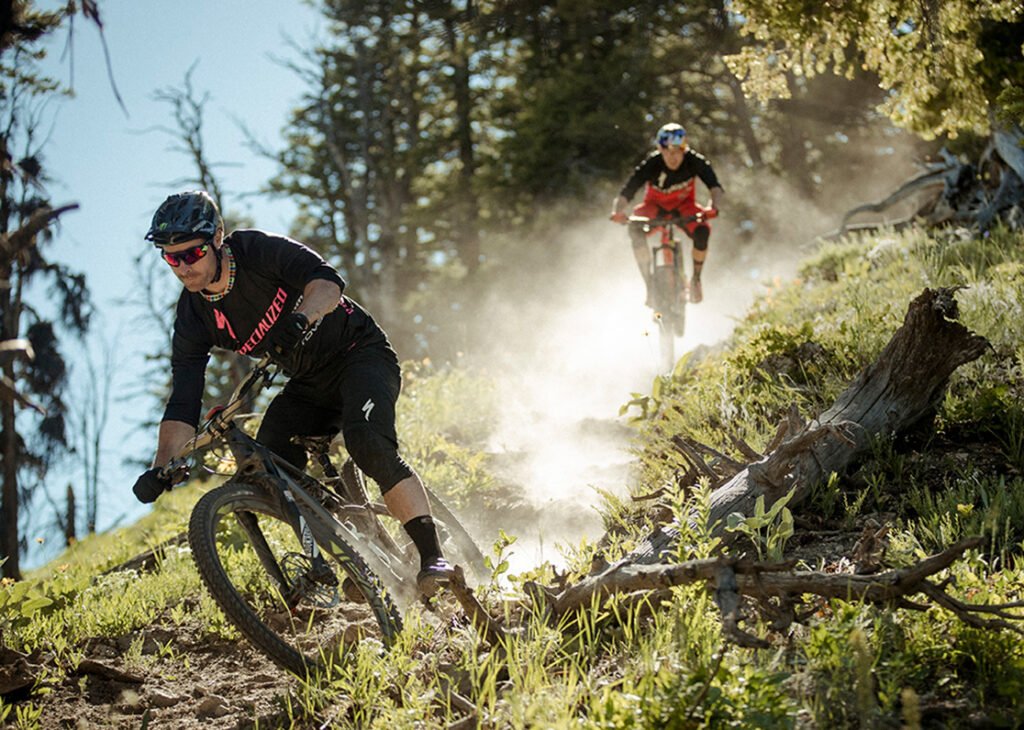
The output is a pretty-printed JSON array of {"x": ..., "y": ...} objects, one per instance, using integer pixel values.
[
  {"x": 458, "y": 545},
  {"x": 220, "y": 529}
]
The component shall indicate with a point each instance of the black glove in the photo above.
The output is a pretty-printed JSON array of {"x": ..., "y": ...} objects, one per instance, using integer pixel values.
[
  {"x": 150, "y": 485},
  {"x": 287, "y": 333}
]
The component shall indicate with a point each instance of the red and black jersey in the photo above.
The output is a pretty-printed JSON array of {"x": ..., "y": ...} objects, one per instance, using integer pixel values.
[
  {"x": 270, "y": 273},
  {"x": 669, "y": 188}
]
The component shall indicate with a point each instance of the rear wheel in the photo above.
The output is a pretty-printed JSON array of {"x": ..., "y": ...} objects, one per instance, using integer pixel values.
[
  {"x": 456, "y": 542},
  {"x": 301, "y": 614},
  {"x": 458, "y": 545}
]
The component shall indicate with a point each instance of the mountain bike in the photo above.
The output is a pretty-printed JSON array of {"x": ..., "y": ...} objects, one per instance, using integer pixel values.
[
  {"x": 668, "y": 278},
  {"x": 305, "y": 568}
]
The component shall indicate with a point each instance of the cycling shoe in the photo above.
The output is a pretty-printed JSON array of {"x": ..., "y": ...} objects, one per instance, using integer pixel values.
[{"x": 435, "y": 574}]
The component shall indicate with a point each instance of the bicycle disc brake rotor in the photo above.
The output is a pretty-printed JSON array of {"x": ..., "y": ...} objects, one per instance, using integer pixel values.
[{"x": 298, "y": 569}]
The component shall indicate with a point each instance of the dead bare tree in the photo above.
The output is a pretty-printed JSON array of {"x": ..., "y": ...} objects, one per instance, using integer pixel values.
[
  {"x": 90, "y": 411},
  {"x": 153, "y": 298},
  {"x": 954, "y": 191}
]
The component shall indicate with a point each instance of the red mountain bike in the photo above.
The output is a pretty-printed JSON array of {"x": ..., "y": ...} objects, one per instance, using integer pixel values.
[{"x": 668, "y": 278}]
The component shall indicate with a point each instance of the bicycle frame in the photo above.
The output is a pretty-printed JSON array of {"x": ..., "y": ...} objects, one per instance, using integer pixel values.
[
  {"x": 298, "y": 494},
  {"x": 303, "y": 499},
  {"x": 666, "y": 252}
]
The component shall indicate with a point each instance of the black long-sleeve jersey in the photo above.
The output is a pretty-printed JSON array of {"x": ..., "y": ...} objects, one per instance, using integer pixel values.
[
  {"x": 270, "y": 273},
  {"x": 664, "y": 182}
]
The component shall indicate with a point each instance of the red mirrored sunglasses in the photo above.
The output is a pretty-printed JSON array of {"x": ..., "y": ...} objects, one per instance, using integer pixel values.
[{"x": 188, "y": 257}]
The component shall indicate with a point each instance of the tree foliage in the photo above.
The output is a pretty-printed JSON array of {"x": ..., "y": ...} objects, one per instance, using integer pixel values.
[
  {"x": 945, "y": 64},
  {"x": 29, "y": 442},
  {"x": 432, "y": 134}
]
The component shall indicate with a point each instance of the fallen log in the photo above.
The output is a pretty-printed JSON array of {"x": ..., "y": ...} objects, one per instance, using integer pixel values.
[
  {"x": 894, "y": 393},
  {"x": 891, "y": 395},
  {"x": 149, "y": 560}
]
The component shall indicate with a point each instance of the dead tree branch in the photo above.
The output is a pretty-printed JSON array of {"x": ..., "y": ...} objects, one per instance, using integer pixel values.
[
  {"x": 491, "y": 629},
  {"x": 730, "y": 579}
]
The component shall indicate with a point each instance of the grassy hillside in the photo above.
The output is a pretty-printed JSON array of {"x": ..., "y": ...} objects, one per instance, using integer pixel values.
[{"x": 168, "y": 659}]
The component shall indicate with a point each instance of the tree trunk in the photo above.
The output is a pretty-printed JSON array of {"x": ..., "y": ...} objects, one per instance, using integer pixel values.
[
  {"x": 70, "y": 528},
  {"x": 903, "y": 385},
  {"x": 9, "y": 551},
  {"x": 465, "y": 227}
]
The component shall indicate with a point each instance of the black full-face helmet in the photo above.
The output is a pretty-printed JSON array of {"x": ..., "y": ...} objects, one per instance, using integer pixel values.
[{"x": 184, "y": 216}]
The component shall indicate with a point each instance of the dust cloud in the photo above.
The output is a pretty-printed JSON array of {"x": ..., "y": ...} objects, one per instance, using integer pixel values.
[
  {"x": 568, "y": 356},
  {"x": 571, "y": 338}
]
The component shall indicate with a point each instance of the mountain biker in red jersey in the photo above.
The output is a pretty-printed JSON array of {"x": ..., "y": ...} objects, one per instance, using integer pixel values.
[
  {"x": 256, "y": 293},
  {"x": 670, "y": 174}
]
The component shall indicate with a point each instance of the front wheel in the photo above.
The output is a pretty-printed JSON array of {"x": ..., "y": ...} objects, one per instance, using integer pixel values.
[
  {"x": 666, "y": 344},
  {"x": 671, "y": 312},
  {"x": 300, "y": 613}
]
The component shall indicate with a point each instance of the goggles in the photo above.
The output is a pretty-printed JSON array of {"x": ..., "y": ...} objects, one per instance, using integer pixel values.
[
  {"x": 672, "y": 138},
  {"x": 188, "y": 257}
]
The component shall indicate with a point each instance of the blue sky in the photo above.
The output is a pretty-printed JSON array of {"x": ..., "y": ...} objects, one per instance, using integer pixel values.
[{"x": 119, "y": 168}]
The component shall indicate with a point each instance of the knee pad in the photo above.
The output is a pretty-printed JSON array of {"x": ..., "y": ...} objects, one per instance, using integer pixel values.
[
  {"x": 377, "y": 456},
  {"x": 700, "y": 238}
]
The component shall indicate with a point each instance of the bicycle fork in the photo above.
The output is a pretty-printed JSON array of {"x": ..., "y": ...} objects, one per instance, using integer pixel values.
[
  {"x": 299, "y": 585},
  {"x": 319, "y": 571}
]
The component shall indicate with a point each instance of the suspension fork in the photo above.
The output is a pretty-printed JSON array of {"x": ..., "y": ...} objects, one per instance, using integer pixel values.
[
  {"x": 248, "y": 450},
  {"x": 251, "y": 526},
  {"x": 319, "y": 571}
]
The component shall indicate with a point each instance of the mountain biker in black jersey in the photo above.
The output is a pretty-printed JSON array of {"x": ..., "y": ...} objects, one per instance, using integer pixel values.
[
  {"x": 256, "y": 292},
  {"x": 670, "y": 174}
]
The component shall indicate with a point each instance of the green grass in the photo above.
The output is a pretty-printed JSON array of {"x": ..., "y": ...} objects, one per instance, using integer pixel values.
[{"x": 627, "y": 664}]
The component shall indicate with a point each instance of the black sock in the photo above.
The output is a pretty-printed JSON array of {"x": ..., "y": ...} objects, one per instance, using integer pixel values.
[{"x": 424, "y": 537}]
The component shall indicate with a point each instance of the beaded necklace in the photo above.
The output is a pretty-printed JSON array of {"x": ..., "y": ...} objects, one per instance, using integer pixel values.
[{"x": 232, "y": 267}]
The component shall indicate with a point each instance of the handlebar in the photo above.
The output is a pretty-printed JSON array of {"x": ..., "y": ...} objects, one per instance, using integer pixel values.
[
  {"x": 219, "y": 419},
  {"x": 673, "y": 219}
]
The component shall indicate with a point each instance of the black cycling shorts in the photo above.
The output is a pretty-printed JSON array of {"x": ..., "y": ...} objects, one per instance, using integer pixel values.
[{"x": 357, "y": 399}]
